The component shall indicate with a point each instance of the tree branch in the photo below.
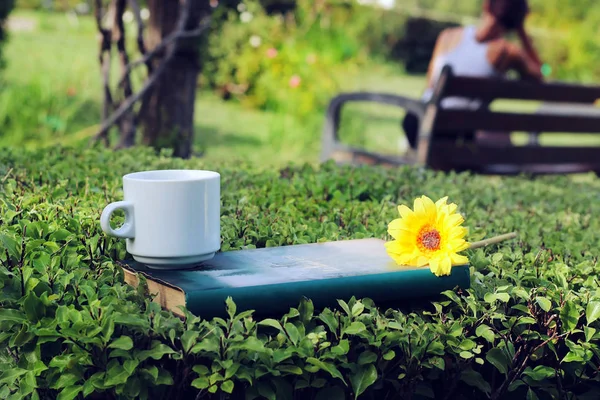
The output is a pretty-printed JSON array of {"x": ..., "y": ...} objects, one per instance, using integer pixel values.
[
  {"x": 127, "y": 119},
  {"x": 170, "y": 43},
  {"x": 176, "y": 35},
  {"x": 140, "y": 36},
  {"x": 104, "y": 58}
]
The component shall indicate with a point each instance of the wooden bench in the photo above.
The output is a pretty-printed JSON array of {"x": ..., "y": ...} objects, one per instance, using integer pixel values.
[{"x": 568, "y": 108}]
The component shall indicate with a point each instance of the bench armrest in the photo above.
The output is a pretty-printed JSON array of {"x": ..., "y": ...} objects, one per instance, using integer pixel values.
[{"x": 330, "y": 139}]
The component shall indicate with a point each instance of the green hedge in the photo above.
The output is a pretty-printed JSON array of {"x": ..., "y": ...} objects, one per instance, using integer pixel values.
[{"x": 70, "y": 327}]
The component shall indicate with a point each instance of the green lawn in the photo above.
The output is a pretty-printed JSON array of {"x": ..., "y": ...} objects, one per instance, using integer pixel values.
[{"x": 52, "y": 94}]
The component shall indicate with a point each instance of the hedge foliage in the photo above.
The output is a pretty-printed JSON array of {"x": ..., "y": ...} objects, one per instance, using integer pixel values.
[{"x": 71, "y": 329}]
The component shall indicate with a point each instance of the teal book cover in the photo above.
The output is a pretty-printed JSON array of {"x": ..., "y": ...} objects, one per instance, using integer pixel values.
[{"x": 273, "y": 279}]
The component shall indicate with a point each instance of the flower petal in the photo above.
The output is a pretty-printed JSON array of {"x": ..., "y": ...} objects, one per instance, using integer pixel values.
[
  {"x": 404, "y": 211},
  {"x": 445, "y": 267},
  {"x": 441, "y": 202},
  {"x": 457, "y": 259},
  {"x": 419, "y": 207}
]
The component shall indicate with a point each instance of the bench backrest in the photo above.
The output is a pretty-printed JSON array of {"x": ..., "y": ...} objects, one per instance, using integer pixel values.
[
  {"x": 574, "y": 118},
  {"x": 488, "y": 90}
]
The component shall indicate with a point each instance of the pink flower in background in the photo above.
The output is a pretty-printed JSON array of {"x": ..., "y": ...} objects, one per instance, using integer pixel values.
[
  {"x": 295, "y": 81},
  {"x": 271, "y": 52}
]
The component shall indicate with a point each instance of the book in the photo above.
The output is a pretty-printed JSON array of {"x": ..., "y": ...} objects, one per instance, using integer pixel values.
[{"x": 273, "y": 279}]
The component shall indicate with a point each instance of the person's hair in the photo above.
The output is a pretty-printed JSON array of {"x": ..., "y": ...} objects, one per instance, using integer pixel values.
[{"x": 509, "y": 13}]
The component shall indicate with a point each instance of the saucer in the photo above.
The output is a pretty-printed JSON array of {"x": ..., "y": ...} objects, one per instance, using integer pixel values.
[{"x": 166, "y": 263}]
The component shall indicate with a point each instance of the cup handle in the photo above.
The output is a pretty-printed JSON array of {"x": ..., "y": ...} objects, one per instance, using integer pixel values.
[{"x": 127, "y": 230}]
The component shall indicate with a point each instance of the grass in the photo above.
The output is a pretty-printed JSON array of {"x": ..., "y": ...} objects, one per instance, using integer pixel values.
[{"x": 52, "y": 94}]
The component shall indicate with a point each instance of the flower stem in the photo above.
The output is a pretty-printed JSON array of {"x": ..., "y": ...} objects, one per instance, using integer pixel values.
[{"x": 493, "y": 240}]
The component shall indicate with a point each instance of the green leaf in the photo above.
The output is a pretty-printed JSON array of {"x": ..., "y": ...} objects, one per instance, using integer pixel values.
[
  {"x": 231, "y": 370},
  {"x": 210, "y": 345},
  {"x": 164, "y": 378},
  {"x": 515, "y": 385},
  {"x": 199, "y": 369},
  {"x": 38, "y": 367},
  {"x": 122, "y": 343},
  {"x": 485, "y": 332},
  {"x": 344, "y": 307},
  {"x": 201, "y": 382},
  {"x": 231, "y": 307},
  {"x": 249, "y": 344},
  {"x": 503, "y": 297},
  {"x": 364, "y": 377},
  {"x": 130, "y": 365},
  {"x": 11, "y": 245},
  {"x": 333, "y": 371},
  {"x": 306, "y": 310},
  {"x": 59, "y": 235},
  {"x": 69, "y": 393},
  {"x": 292, "y": 332},
  {"x": 272, "y": 323},
  {"x": 330, "y": 320},
  {"x": 589, "y": 333},
  {"x": 572, "y": 357},
  {"x": 544, "y": 303},
  {"x": 490, "y": 298},
  {"x": 592, "y": 311},
  {"x": 540, "y": 373},
  {"x": 498, "y": 359},
  {"x": 467, "y": 344},
  {"x": 156, "y": 352},
  {"x": 354, "y": 328},
  {"x": 569, "y": 316},
  {"x": 357, "y": 309},
  {"x": 438, "y": 362},
  {"x": 389, "y": 355},
  {"x": 291, "y": 369},
  {"x": 331, "y": 393},
  {"x": 9, "y": 376},
  {"x": 188, "y": 339},
  {"x": 116, "y": 375},
  {"x": 531, "y": 395},
  {"x": 266, "y": 391},
  {"x": 33, "y": 307},
  {"x": 227, "y": 386},
  {"x": 7, "y": 314},
  {"x": 367, "y": 357},
  {"x": 65, "y": 380},
  {"x": 341, "y": 348},
  {"x": 475, "y": 379}
]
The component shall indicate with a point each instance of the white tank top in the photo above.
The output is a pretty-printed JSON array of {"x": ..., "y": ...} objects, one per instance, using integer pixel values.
[{"x": 469, "y": 58}]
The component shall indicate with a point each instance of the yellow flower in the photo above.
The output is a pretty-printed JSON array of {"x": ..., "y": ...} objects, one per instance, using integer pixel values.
[{"x": 428, "y": 235}]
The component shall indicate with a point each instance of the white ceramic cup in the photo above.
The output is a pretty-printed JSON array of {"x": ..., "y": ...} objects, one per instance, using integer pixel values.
[{"x": 172, "y": 217}]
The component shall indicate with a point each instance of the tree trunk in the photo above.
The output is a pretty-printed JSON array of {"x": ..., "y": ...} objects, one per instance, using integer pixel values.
[{"x": 167, "y": 113}]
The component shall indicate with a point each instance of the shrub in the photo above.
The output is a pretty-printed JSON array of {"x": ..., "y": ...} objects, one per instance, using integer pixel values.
[
  {"x": 418, "y": 41},
  {"x": 70, "y": 327},
  {"x": 292, "y": 62}
]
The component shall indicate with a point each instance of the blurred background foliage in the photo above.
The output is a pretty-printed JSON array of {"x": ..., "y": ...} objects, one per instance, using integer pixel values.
[{"x": 283, "y": 57}]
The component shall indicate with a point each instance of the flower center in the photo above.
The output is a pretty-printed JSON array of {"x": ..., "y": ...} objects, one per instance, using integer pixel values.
[{"x": 429, "y": 238}]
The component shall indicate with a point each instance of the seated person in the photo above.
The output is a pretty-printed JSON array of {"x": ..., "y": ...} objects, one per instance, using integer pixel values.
[{"x": 481, "y": 51}]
